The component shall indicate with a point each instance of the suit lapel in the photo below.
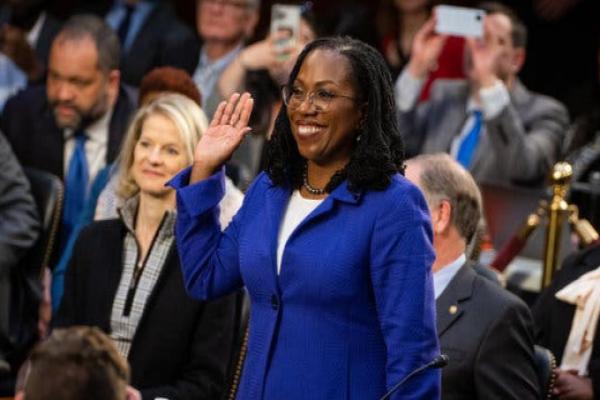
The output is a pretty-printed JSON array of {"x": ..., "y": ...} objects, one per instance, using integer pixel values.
[
  {"x": 162, "y": 280},
  {"x": 118, "y": 125},
  {"x": 448, "y": 305},
  {"x": 51, "y": 145},
  {"x": 340, "y": 194},
  {"x": 519, "y": 97},
  {"x": 114, "y": 268},
  {"x": 452, "y": 119},
  {"x": 277, "y": 201}
]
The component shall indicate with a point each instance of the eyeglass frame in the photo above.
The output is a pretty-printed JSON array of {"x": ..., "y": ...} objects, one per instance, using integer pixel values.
[{"x": 310, "y": 95}]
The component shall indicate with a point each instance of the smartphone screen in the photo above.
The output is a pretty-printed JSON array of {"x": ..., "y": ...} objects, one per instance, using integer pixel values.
[
  {"x": 459, "y": 21},
  {"x": 285, "y": 24}
]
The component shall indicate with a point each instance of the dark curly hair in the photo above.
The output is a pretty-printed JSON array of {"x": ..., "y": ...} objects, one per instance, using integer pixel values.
[{"x": 380, "y": 152}]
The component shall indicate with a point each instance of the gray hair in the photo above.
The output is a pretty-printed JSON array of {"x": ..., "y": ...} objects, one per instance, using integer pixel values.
[
  {"x": 442, "y": 178},
  {"x": 90, "y": 26}
]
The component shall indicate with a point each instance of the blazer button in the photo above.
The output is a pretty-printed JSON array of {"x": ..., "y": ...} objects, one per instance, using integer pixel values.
[{"x": 274, "y": 302}]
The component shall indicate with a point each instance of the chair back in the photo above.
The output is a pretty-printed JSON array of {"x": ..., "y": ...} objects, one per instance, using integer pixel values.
[
  {"x": 545, "y": 363},
  {"x": 240, "y": 348},
  {"x": 26, "y": 281}
]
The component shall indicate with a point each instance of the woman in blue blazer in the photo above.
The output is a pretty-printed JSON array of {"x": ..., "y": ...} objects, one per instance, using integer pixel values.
[{"x": 332, "y": 242}]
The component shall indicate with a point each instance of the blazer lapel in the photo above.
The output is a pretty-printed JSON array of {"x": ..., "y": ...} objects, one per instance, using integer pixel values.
[
  {"x": 50, "y": 146},
  {"x": 449, "y": 118},
  {"x": 118, "y": 124},
  {"x": 277, "y": 201},
  {"x": 114, "y": 269},
  {"x": 162, "y": 280},
  {"x": 341, "y": 193},
  {"x": 448, "y": 305}
]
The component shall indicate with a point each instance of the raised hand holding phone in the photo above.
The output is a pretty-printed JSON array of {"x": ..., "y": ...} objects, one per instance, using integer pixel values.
[
  {"x": 485, "y": 53},
  {"x": 459, "y": 21},
  {"x": 223, "y": 136}
]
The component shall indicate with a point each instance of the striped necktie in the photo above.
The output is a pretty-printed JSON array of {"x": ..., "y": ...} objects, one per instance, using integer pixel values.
[{"x": 467, "y": 147}]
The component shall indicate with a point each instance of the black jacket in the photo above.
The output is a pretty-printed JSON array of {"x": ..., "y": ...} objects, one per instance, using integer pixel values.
[
  {"x": 181, "y": 348},
  {"x": 553, "y": 317},
  {"x": 29, "y": 125},
  {"x": 488, "y": 334}
]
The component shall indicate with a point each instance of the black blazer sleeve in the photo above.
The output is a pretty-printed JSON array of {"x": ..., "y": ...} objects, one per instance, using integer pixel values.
[
  {"x": 505, "y": 360},
  {"x": 553, "y": 318}
]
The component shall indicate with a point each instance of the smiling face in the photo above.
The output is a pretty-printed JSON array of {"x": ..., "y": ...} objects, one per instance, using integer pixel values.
[
  {"x": 159, "y": 155},
  {"x": 325, "y": 136}
]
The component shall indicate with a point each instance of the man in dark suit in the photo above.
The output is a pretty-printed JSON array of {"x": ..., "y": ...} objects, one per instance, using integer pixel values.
[
  {"x": 486, "y": 331},
  {"x": 490, "y": 122},
  {"x": 18, "y": 232},
  {"x": 554, "y": 321},
  {"x": 82, "y": 93},
  {"x": 73, "y": 126},
  {"x": 151, "y": 36}
]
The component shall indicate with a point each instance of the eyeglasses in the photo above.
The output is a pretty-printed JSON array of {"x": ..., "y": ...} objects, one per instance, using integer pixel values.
[
  {"x": 293, "y": 97},
  {"x": 238, "y": 4}
]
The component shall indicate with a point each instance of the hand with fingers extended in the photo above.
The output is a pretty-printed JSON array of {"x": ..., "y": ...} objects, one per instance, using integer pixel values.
[
  {"x": 486, "y": 53},
  {"x": 426, "y": 48},
  {"x": 223, "y": 136}
]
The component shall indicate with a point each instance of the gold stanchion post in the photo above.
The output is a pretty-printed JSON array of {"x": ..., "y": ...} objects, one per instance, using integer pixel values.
[{"x": 558, "y": 210}]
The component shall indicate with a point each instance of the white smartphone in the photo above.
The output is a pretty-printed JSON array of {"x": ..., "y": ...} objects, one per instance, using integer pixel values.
[
  {"x": 285, "y": 21},
  {"x": 459, "y": 21}
]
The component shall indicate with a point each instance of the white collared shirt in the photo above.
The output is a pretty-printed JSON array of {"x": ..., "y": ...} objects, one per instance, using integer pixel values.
[
  {"x": 208, "y": 71},
  {"x": 96, "y": 145},
  {"x": 443, "y": 276}
]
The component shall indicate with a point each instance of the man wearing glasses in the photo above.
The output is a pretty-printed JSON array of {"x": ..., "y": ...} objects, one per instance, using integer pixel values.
[{"x": 223, "y": 26}]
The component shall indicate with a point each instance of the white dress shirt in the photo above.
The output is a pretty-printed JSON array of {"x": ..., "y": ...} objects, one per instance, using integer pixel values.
[
  {"x": 443, "y": 276},
  {"x": 492, "y": 100}
]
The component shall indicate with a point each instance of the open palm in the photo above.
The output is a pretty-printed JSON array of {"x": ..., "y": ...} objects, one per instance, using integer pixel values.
[{"x": 224, "y": 134}]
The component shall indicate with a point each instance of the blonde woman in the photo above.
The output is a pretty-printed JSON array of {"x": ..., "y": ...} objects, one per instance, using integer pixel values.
[{"x": 124, "y": 276}]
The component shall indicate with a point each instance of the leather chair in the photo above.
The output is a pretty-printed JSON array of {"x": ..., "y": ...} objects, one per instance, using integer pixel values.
[
  {"x": 545, "y": 363},
  {"x": 26, "y": 281},
  {"x": 240, "y": 347}
]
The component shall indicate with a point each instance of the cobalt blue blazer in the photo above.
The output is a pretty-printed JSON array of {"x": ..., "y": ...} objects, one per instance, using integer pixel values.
[{"x": 352, "y": 311}]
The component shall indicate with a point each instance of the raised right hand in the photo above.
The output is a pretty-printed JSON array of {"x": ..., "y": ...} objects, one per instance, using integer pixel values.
[
  {"x": 426, "y": 48},
  {"x": 223, "y": 136}
]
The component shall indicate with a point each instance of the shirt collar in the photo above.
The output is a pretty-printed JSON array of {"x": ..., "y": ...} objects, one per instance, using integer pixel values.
[
  {"x": 221, "y": 62},
  {"x": 443, "y": 276},
  {"x": 473, "y": 105},
  {"x": 97, "y": 131},
  {"x": 128, "y": 212}
]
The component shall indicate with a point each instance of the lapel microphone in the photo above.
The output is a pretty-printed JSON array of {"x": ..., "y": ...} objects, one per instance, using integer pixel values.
[{"x": 439, "y": 361}]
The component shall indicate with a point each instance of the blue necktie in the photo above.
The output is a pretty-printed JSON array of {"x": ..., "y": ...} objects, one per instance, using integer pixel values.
[
  {"x": 75, "y": 186},
  {"x": 468, "y": 145},
  {"x": 123, "y": 28}
]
